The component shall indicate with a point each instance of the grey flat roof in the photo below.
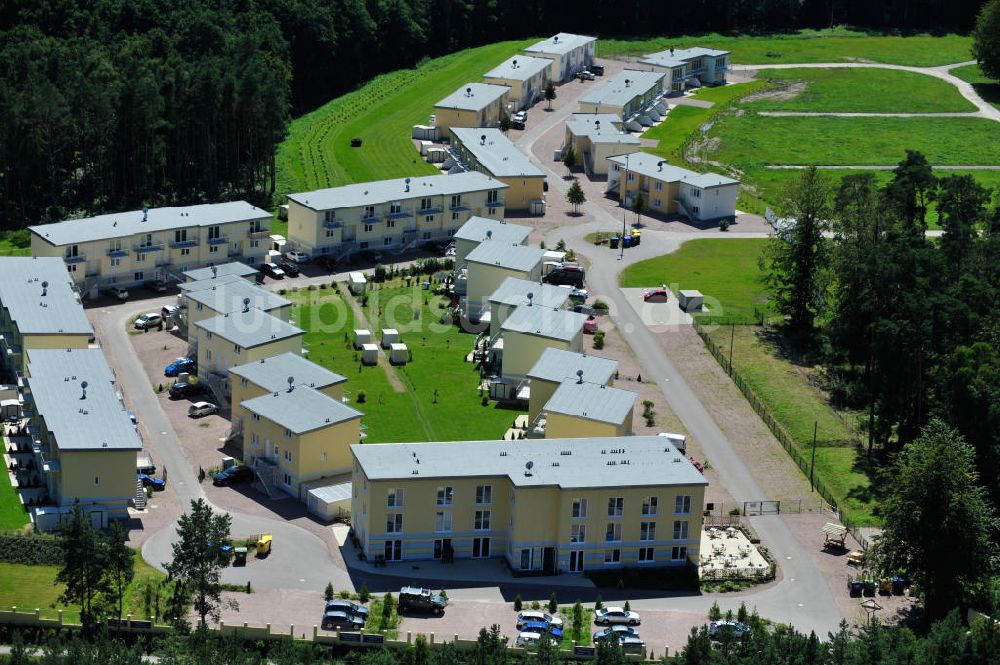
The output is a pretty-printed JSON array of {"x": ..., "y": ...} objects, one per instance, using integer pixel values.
[
  {"x": 228, "y": 296},
  {"x": 513, "y": 256},
  {"x": 600, "y": 128},
  {"x": 211, "y": 283},
  {"x": 477, "y": 228},
  {"x": 526, "y": 67},
  {"x": 497, "y": 154},
  {"x": 58, "y": 311},
  {"x": 560, "y": 44},
  {"x": 272, "y": 373},
  {"x": 558, "y": 365},
  {"x": 651, "y": 461},
  {"x": 593, "y": 401},
  {"x": 648, "y": 165},
  {"x": 337, "y": 491},
  {"x": 214, "y": 272},
  {"x": 301, "y": 410},
  {"x": 97, "y": 422},
  {"x": 552, "y": 323},
  {"x": 120, "y": 224},
  {"x": 616, "y": 93},
  {"x": 513, "y": 291},
  {"x": 663, "y": 59},
  {"x": 249, "y": 329},
  {"x": 473, "y": 96},
  {"x": 384, "y": 191},
  {"x": 697, "y": 52}
]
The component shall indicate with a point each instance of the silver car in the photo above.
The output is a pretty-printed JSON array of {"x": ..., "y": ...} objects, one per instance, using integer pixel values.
[{"x": 616, "y": 615}]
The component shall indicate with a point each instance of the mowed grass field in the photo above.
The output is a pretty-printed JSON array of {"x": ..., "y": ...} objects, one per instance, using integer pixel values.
[
  {"x": 836, "y": 45},
  {"x": 726, "y": 271},
  {"x": 414, "y": 413},
  {"x": 12, "y": 514},
  {"x": 15, "y": 243},
  {"x": 987, "y": 88},
  {"x": 317, "y": 152},
  {"x": 862, "y": 91}
]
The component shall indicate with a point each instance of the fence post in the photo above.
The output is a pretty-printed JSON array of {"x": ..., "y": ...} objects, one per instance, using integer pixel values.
[{"x": 60, "y": 617}]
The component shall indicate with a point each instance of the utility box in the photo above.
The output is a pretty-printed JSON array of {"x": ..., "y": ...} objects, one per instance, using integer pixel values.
[
  {"x": 362, "y": 337},
  {"x": 389, "y": 337},
  {"x": 691, "y": 301},
  {"x": 369, "y": 354},
  {"x": 399, "y": 354},
  {"x": 357, "y": 283}
]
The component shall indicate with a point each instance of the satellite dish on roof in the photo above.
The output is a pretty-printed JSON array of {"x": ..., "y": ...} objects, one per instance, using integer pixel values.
[
  {"x": 482, "y": 139},
  {"x": 468, "y": 92},
  {"x": 291, "y": 383},
  {"x": 529, "y": 465},
  {"x": 83, "y": 386},
  {"x": 531, "y": 297},
  {"x": 579, "y": 375},
  {"x": 489, "y": 234},
  {"x": 246, "y": 304},
  {"x": 45, "y": 288},
  {"x": 661, "y": 163}
]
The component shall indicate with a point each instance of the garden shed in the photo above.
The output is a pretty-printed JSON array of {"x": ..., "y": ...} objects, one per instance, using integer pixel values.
[
  {"x": 690, "y": 300},
  {"x": 398, "y": 354},
  {"x": 369, "y": 354},
  {"x": 357, "y": 283},
  {"x": 362, "y": 337},
  {"x": 389, "y": 337}
]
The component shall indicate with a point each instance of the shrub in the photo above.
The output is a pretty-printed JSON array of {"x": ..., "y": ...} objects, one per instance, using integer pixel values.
[
  {"x": 724, "y": 224},
  {"x": 714, "y": 613},
  {"x": 356, "y": 142},
  {"x": 553, "y": 603},
  {"x": 31, "y": 549},
  {"x": 734, "y": 511},
  {"x": 599, "y": 339},
  {"x": 361, "y": 397},
  {"x": 535, "y": 605},
  {"x": 600, "y": 305},
  {"x": 328, "y": 592},
  {"x": 517, "y": 603},
  {"x": 627, "y": 607},
  {"x": 485, "y": 401},
  {"x": 344, "y": 594},
  {"x": 363, "y": 594}
]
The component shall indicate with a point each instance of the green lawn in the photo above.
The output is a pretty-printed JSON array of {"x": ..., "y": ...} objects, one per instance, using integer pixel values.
[
  {"x": 864, "y": 91},
  {"x": 772, "y": 369},
  {"x": 837, "y": 45},
  {"x": 317, "y": 152},
  {"x": 724, "y": 270},
  {"x": 12, "y": 513},
  {"x": 415, "y": 414},
  {"x": 749, "y": 139},
  {"x": 987, "y": 88},
  {"x": 15, "y": 243}
]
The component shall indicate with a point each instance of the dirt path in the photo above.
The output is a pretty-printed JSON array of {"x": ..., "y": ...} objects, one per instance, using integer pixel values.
[{"x": 383, "y": 361}]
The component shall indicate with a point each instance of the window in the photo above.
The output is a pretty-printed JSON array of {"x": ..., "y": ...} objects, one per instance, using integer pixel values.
[
  {"x": 115, "y": 263},
  {"x": 456, "y": 200},
  {"x": 612, "y": 556},
  {"x": 387, "y": 241},
  {"x": 679, "y": 554},
  {"x": 658, "y": 186},
  {"x": 288, "y": 455},
  {"x": 695, "y": 209},
  {"x": 395, "y": 208},
  {"x": 442, "y": 521},
  {"x": 525, "y": 558},
  {"x": 213, "y": 233},
  {"x": 682, "y": 504},
  {"x": 369, "y": 228},
  {"x": 255, "y": 244},
  {"x": 390, "y": 223},
  {"x": 287, "y": 480},
  {"x": 138, "y": 277},
  {"x": 427, "y": 235},
  {"x": 329, "y": 233},
  {"x": 288, "y": 434},
  {"x": 425, "y": 204},
  {"x": 139, "y": 258},
  {"x": 236, "y": 349},
  {"x": 255, "y": 440},
  {"x": 492, "y": 196},
  {"x": 445, "y": 496},
  {"x": 455, "y": 216},
  {"x": 369, "y": 212},
  {"x": 186, "y": 251},
  {"x": 649, "y": 505},
  {"x": 613, "y": 534},
  {"x": 680, "y": 529},
  {"x": 394, "y": 523},
  {"x": 647, "y": 530},
  {"x": 578, "y": 533},
  {"x": 484, "y": 495},
  {"x": 429, "y": 219},
  {"x": 579, "y": 508},
  {"x": 393, "y": 550},
  {"x": 212, "y": 249},
  {"x": 322, "y": 457},
  {"x": 616, "y": 506},
  {"x": 201, "y": 306},
  {"x": 696, "y": 193},
  {"x": 180, "y": 235},
  {"x": 480, "y": 548},
  {"x": 364, "y": 244},
  {"x": 482, "y": 520},
  {"x": 631, "y": 177},
  {"x": 394, "y": 499},
  {"x": 657, "y": 203},
  {"x": 243, "y": 383},
  {"x": 72, "y": 267},
  {"x": 329, "y": 216},
  {"x": 256, "y": 417},
  {"x": 97, "y": 480},
  {"x": 646, "y": 554}
]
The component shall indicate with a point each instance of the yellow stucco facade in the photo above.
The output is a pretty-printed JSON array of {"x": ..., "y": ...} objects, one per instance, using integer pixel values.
[
  {"x": 521, "y": 351},
  {"x": 561, "y": 426},
  {"x": 95, "y": 476},
  {"x": 217, "y": 354},
  {"x": 483, "y": 280}
]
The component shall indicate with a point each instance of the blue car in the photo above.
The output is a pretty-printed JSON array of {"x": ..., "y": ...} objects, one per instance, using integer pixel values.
[
  {"x": 180, "y": 366},
  {"x": 157, "y": 484},
  {"x": 542, "y": 628}
]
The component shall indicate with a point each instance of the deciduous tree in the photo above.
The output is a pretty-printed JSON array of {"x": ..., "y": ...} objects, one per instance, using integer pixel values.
[{"x": 986, "y": 39}]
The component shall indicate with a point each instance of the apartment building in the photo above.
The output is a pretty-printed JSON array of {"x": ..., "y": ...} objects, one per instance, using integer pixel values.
[
  {"x": 489, "y": 264},
  {"x": 206, "y": 299},
  {"x": 296, "y": 435},
  {"x": 39, "y": 309},
  {"x": 689, "y": 66},
  {"x": 557, "y": 366},
  {"x": 241, "y": 337},
  {"x": 670, "y": 189},
  {"x": 596, "y": 136},
  {"x": 513, "y": 293},
  {"x": 635, "y": 97},
  {"x": 472, "y": 105},
  {"x": 551, "y": 506},
  {"x": 530, "y": 330},
  {"x": 488, "y": 151},
  {"x": 569, "y": 54},
  {"x": 233, "y": 268},
  {"x": 526, "y": 76},
  {"x": 390, "y": 214},
  {"x": 580, "y": 408},
  {"x": 482, "y": 229},
  {"x": 128, "y": 248},
  {"x": 84, "y": 442}
]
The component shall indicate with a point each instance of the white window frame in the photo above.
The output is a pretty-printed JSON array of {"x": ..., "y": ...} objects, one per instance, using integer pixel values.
[
  {"x": 578, "y": 533},
  {"x": 613, "y": 532},
  {"x": 578, "y": 511},
  {"x": 484, "y": 495},
  {"x": 647, "y": 531},
  {"x": 395, "y": 497},
  {"x": 647, "y": 555},
  {"x": 682, "y": 504},
  {"x": 616, "y": 506},
  {"x": 445, "y": 495},
  {"x": 649, "y": 506},
  {"x": 681, "y": 529},
  {"x": 443, "y": 521},
  {"x": 394, "y": 522}
]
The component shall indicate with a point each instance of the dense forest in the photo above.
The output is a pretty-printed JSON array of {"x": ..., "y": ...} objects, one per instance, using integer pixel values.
[{"x": 114, "y": 104}]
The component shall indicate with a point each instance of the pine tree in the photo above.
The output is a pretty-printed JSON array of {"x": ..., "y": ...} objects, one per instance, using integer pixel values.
[
  {"x": 198, "y": 558},
  {"x": 576, "y": 196},
  {"x": 84, "y": 568}
]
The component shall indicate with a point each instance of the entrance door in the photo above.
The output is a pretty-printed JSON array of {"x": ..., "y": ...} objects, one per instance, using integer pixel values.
[
  {"x": 393, "y": 550},
  {"x": 549, "y": 559},
  {"x": 576, "y": 561}
]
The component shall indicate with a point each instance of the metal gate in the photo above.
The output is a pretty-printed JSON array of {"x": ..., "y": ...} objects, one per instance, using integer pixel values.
[{"x": 751, "y": 508}]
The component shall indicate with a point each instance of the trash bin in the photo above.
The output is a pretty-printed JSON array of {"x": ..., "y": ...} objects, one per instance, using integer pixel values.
[
  {"x": 626, "y": 242},
  {"x": 636, "y": 238},
  {"x": 885, "y": 587},
  {"x": 614, "y": 242},
  {"x": 898, "y": 586},
  {"x": 868, "y": 587},
  {"x": 264, "y": 545},
  {"x": 240, "y": 556},
  {"x": 855, "y": 587},
  {"x": 227, "y": 551}
]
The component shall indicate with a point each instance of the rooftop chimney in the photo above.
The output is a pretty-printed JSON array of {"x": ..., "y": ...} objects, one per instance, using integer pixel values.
[{"x": 407, "y": 184}]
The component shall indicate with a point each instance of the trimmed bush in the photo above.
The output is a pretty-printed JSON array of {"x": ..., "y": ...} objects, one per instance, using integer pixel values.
[{"x": 31, "y": 549}]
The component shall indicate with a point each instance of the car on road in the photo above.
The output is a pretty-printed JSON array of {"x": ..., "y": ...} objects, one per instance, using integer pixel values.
[
  {"x": 527, "y": 616},
  {"x": 616, "y": 615},
  {"x": 617, "y": 632},
  {"x": 336, "y": 620},
  {"x": 272, "y": 270},
  {"x": 147, "y": 321},
  {"x": 359, "y": 611},
  {"x": 717, "y": 628},
  {"x": 199, "y": 409},
  {"x": 415, "y": 599},
  {"x": 297, "y": 256},
  {"x": 118, "y": 293},
  {"x": 157, "y": 286},
  {"x": 325, "y": 262},
  {"x": 184, "y": 389},
  {"x": 232, "y": 475},
  {"x": 290, "y": 268},
  {"x": 158, "y": 484},
  {"x": 517, "y": 124},
  {"x": 656, "y": 295},
  {"x": 180, "y": 366}
]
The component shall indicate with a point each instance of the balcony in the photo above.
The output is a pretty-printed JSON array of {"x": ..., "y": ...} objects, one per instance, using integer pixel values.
[
  {"x": 399, "y": 214},
  {"x": 218, "y": 240},
  {"x": 430, "y": 211},
  {"x": 181, "y": 244},
  {"x": 258, "y": 233},
  {"x": 458, "y": 207},
  {"x": 117, "y": 252},
  {"x": 333, "y": 224},
  {"x": 79, "y": 258},
  {"x": 151, "y": 247},
  {"x": 499, "y": 203}
]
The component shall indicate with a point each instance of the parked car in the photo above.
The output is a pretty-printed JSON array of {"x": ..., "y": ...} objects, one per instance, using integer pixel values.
[
  {"x": 615, "y": 615},
  {"x": 415, "y": 599},
  {"x": 617, "y": 632},
  {"x": 157, "y": 484},
  {"x": 157, "y": 285},
  {"x": 180, "y": 366},
  {"x": 517, "y": 124},
  {"x": 359, "y": 611},
  {"x": 590, "y": 325},
  {"x": 633, "y": 645},
  {"x": 527, "y": 616},
  {"x": 584, "y": 309},
  {"x": 272, "y": 270},
  {"x": 290, "y": 268},
  {"x": 578, "y": 295},
  {"x": 232, "y": 475},
  {"x": 586, "y": 75},
  {"x": 118, "y": 293},
  {"x": 325, "y": 262},
  {"x": 147, "y": 321},
  {"x": 297, "y": 256},
  {"x": 169, "y": 311},
  {"x": 656, "y": 295},
  {"x": 571, "y": 274},
  {"x": 341, "y": 621},
  {"x": 199, "y": 409},
  {"x": 530, "y": 639},
  {"x": 183, "y": 389},
  {"x": 738, "y": 629},
  {"x": 543, "y": 627}
]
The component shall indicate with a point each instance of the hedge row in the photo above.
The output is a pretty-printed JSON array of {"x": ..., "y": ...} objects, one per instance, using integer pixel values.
[{"x": 31, "y": 549}]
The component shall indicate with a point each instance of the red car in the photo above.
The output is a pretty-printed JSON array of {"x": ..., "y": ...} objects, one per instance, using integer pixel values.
[
  {"x": 655, "y": 295},
  {"x": 590, "y": 325}
]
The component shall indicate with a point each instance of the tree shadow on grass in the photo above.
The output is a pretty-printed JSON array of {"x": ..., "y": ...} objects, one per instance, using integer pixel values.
[{"x": 990, "y": 92}]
